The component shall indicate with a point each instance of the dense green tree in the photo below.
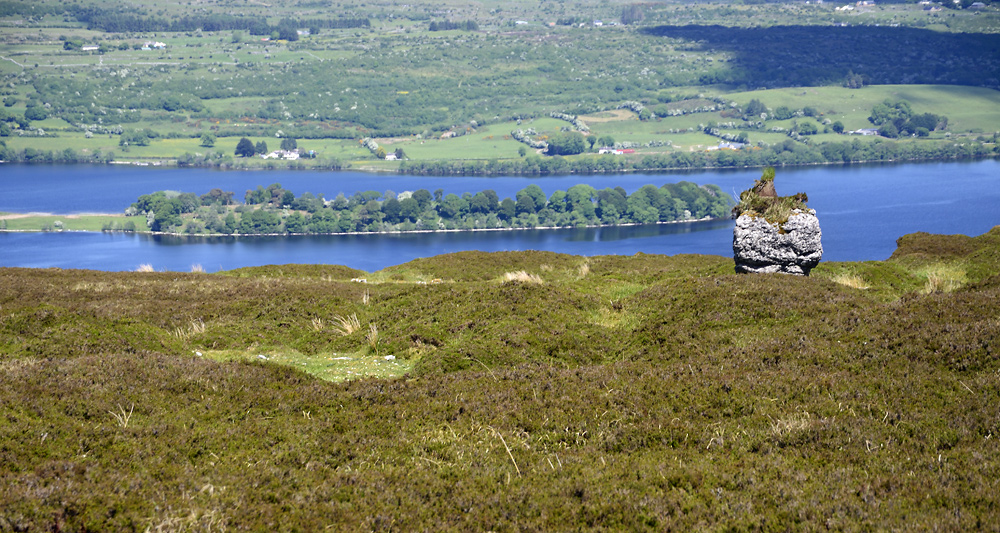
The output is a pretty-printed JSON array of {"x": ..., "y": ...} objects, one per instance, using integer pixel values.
[
  {"x": 35, "y": 112},
  {"x": 391, "y": 210},
  {"x": 134, "y": 138},
  {"x": 244, "y": 148},
  {"x": 508, "y": 210},
  {"x": 896, "y": 112},
  {"x": 754, "y": 109},
  {"x": 808, "y": 127},
  {"x": 611, "y": 204},
  {"x": 888, "y": 130},
  {"x": 783, "y": 112},
  {"x": 230, "y": 223},
  {"x": 452, "y": 206},
  {"x": 295, "y": 223},
  {"x": 536, "y": 194},
  {"x": 524, "y": 205},
  {"x": 423, "y": 198},
  {"x": 409, "y": 209},
  {"x": 288, "y": 144},
  {"x": 569, "y": 143},
  {"x": 557, "y": 202},
  {"x": 256, "y": 196},
  {"x": 207, "y": 140},
  {"x": 260, "y": 148},
  {"x": 484, "y": 202}
]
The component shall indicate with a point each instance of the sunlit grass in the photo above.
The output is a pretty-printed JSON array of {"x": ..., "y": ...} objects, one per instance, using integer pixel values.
[
  {"x": 343, "y": 325},
  {"x": 329, "y": 366},
  {"x": 943, "y": 277},
  {"x": 850, "y": 280},
  {"x": 521, "y": 276}
]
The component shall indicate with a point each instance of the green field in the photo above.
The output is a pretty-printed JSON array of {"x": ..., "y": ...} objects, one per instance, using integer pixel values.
[
  {"x": 404, "y": 85},
  {"x": 36, "y": 222}
]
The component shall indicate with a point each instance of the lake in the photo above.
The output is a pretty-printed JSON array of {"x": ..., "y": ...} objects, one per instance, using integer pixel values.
[{"x": 862, "y": 209}]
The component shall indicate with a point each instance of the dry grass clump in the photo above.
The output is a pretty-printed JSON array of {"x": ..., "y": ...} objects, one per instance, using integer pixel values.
[
  {"x": 145, "y": 267},
  {"x": 521, "y": 277},
  {"x": 943, "y": 278},
  {"x": 848, "y": 279},
  {"x": 372, "y": 338},
  {"x": 121, "y": 416},
  {"x": 196, "y": 327},
  {"x": 345, "y": 325},
  {"x": 785, "y": 426},
  {"x": 761, "y": 200},
  {"x": 197, "y": 269}
]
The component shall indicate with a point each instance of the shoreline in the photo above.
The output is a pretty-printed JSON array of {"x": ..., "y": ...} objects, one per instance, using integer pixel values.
[
  {"x": 355, "y": 233},
  {"x": 172, "y": 163},
  {"x": 16, "y": 216}
]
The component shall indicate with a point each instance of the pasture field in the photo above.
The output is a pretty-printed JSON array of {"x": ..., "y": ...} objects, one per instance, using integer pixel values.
[
  {"x": 394, "y": 78},
  {"x": 84, "y": 222}
]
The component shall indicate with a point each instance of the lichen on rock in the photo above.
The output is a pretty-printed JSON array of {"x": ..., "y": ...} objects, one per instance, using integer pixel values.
[{"x": 775, "y": 233}]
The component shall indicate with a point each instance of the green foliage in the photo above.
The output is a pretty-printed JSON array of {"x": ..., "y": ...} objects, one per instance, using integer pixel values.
[
  {"x": 35, "y": 112},
  {"x": 581, "y": 205},
  {"x": 389, "y": 81},
  {"x": 245, "y": 148}
]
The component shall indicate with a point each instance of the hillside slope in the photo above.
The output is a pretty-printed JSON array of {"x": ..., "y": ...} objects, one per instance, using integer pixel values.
[{"x": 644, "y": 392}]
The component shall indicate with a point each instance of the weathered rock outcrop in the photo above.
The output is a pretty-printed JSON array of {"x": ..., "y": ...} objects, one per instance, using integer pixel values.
[{"x": 793, "y": 247}]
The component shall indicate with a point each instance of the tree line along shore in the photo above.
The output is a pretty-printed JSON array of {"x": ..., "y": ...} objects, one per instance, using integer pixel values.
[{"x": 274, "y": 210}]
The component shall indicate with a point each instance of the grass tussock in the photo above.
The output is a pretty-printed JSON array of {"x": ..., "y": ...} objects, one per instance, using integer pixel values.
[
  {"x": 346, "y": 325},
  {"x": 850, "y": 280},
  {"x": 145, "y": 267},
  {"x": 372, "y": 338},
  {"x": 195, "y": 327},
  {"x": 197, "y": 269},
  {"x": 761, "y": 200},
  {"x": 521, "y": 276},
  {"x": 657, "y": 393},
  {"x": 943, "y": 277}
]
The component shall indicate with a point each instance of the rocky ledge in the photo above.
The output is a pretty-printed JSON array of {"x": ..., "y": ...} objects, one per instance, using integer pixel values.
[{"x": 793, "y": 247}]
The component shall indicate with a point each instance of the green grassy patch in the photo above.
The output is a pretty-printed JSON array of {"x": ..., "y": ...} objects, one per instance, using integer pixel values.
[
  {"x": 332, "y": 366},
  {"x": 73, "y": 223}
]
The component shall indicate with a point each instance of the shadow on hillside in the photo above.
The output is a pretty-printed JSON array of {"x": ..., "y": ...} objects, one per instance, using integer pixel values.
[{"x": 783, "y": 56}]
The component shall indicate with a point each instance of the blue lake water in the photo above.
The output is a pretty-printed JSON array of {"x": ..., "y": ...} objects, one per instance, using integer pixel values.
[{"x": 862, "y": 210}]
